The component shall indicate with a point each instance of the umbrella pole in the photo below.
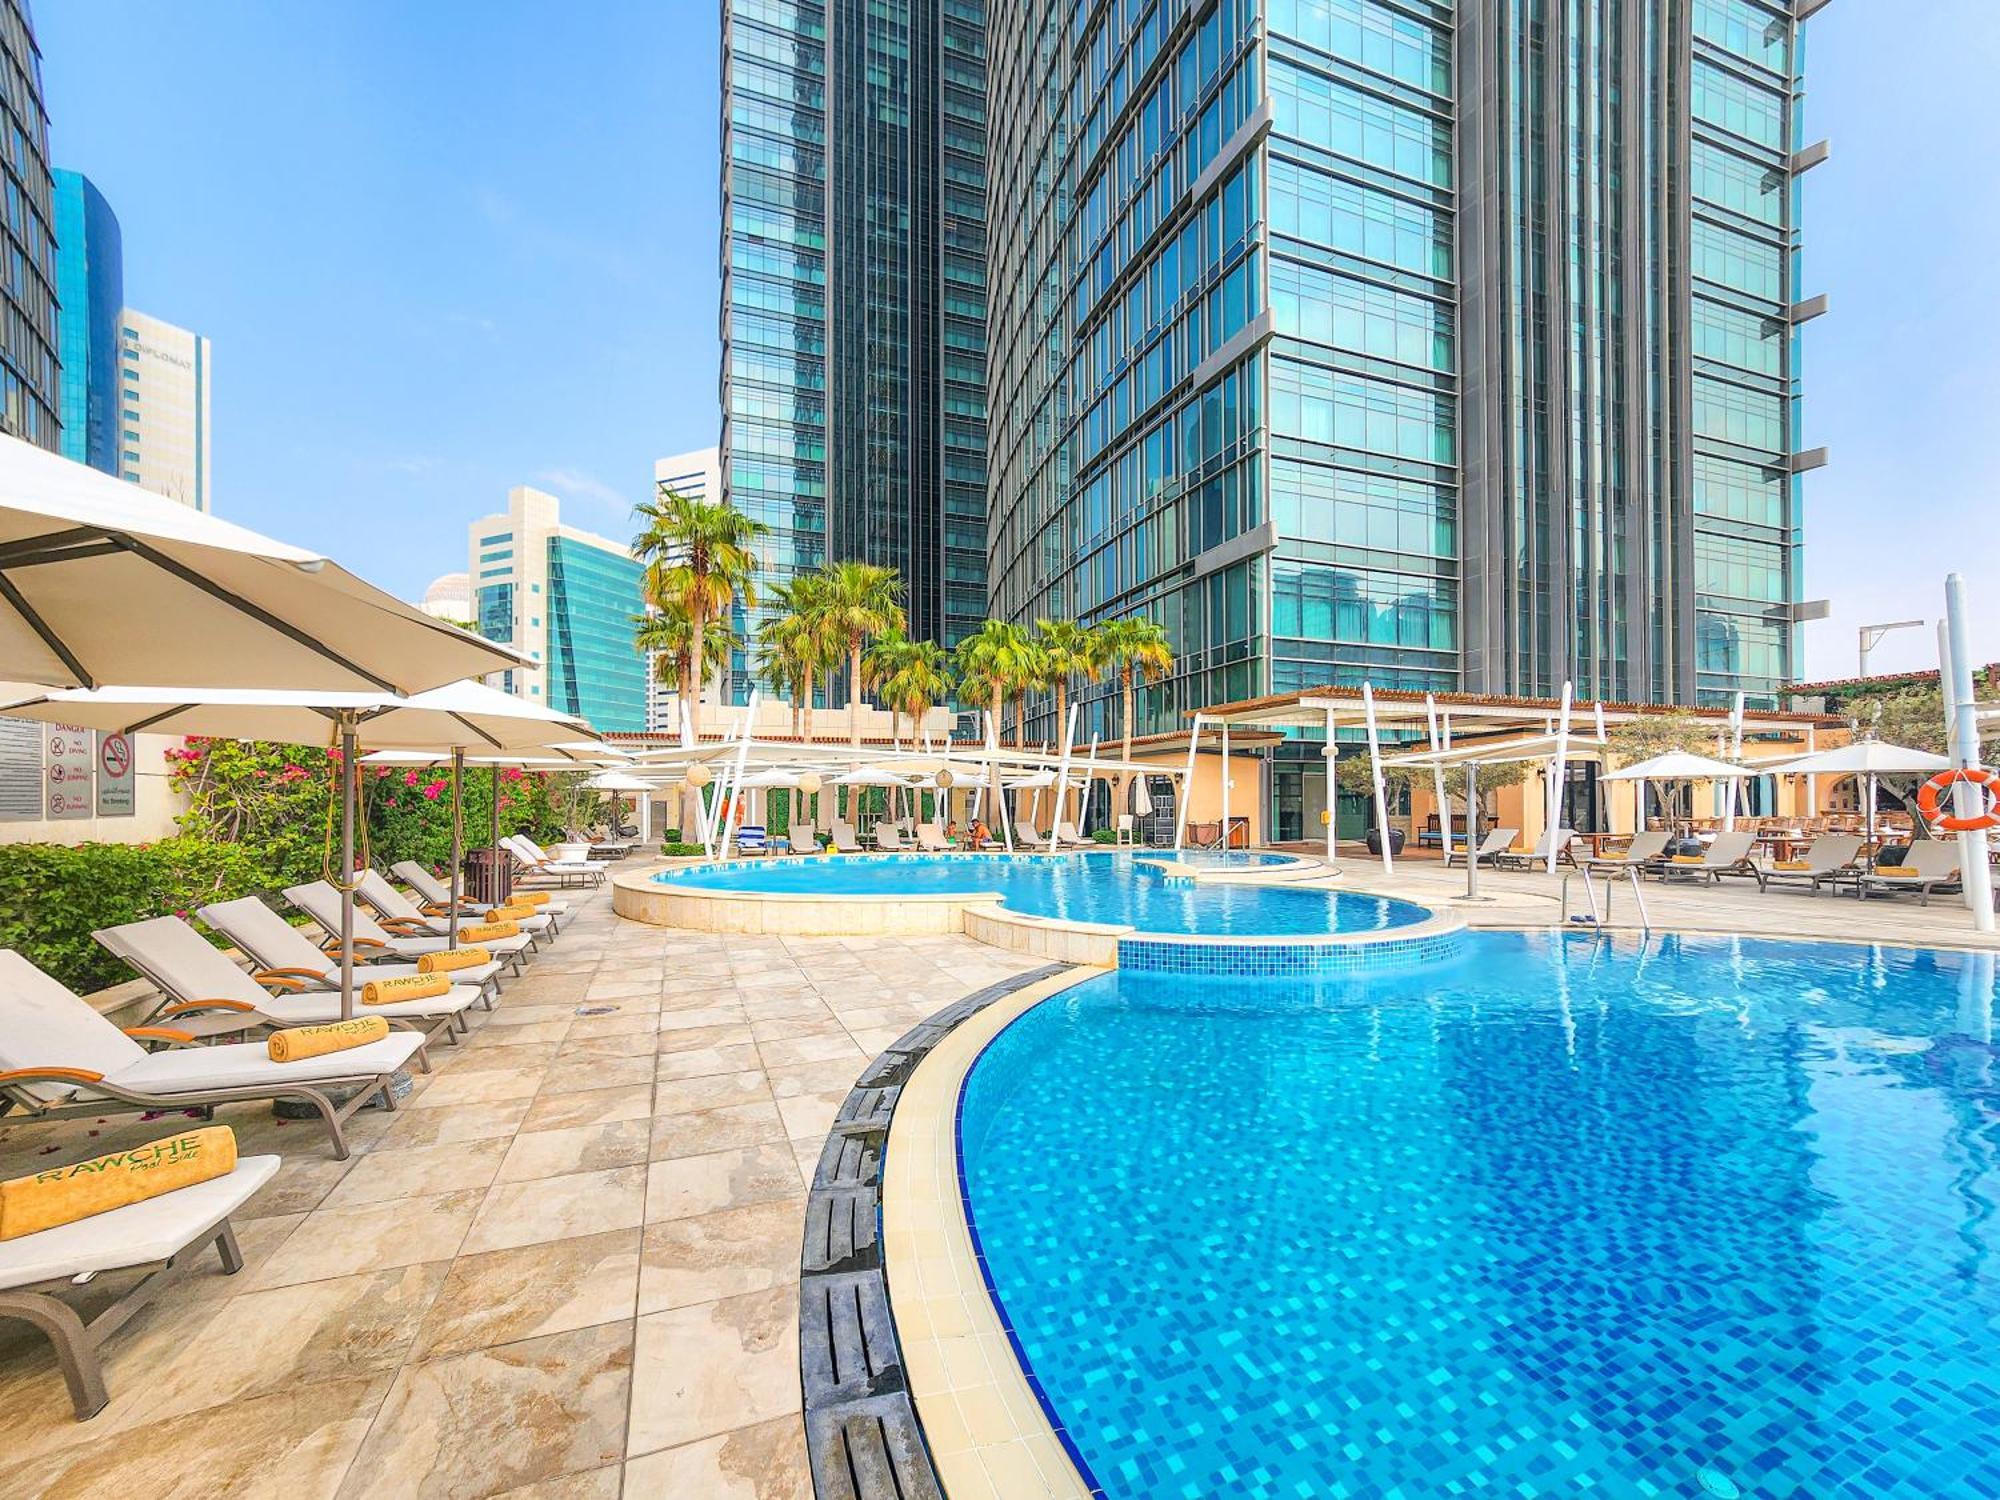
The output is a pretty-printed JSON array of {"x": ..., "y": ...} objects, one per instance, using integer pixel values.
[
  {"x": 457, "y": 840},
  {"x": 497, "y": 866},
  {"x": 1472, "y": 830},
  {"x": 346, "y": 866}
]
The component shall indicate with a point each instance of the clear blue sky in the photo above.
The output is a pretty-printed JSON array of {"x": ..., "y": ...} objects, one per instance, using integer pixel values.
[{"x": 445, "y": 248}]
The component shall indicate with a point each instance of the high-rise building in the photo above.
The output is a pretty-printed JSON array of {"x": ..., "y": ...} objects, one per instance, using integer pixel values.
[
  {"x": 566, "y": 598},
  {"x": 29, "y": 384},
  {"x": 854, "y": 299},
  {"x": 1445, "y": 346},
  {"x": 90, "y": 284},
  {"x": 696, "y": 475},
  {"x": 164, "y": 376}
]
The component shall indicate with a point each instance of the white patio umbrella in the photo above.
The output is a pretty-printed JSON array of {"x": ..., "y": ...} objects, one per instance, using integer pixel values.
[
  {"x": 1870, "y": 760},
  {"x": 617, "y": 782},
  {"x": 101, "y": 582},
  {"x": 1674, "y": 765},
  {"x": 451, "y": 719}
]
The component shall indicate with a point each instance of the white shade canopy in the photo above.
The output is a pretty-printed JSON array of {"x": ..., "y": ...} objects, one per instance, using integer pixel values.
[
  {"x": 618, "y": 781},
  {"x": 1864, "y": 758},
  {"x": 101, "y": 582},
  {"x": 461, "y": 715},
  {"x": 1679, "y": 765}
]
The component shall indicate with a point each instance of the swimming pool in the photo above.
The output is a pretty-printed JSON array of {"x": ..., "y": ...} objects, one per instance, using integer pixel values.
[
  {"x": 1572, "y": 1215},
  {"x": 1116, "y": 888}
]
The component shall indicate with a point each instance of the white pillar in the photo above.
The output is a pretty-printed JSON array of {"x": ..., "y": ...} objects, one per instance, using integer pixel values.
[
  {"x": 1332, "y": 786},
  {"x": 1187, "y": 784},
  {"x": 1437, "y": 779},
  {"x": 1225, "y": 786},
  {"x": 1558, "y": 772},
  {"x": 1975, "y": 874},
  {"x": 1734, "y": 791},
  {"x": 1089, "y": 779},
  {"x": 1062, "y": 775},
  {"x": 1375, "y": 775},
  {"x": 1812, "y": 778}
]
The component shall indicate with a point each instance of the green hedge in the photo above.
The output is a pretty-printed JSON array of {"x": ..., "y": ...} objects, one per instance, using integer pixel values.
[{"x": 52, "y": 896}]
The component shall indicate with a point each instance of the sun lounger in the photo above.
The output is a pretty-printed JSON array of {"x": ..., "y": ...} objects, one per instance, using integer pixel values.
[
  {"x": 400, "y": 914},
  {"x": 160, "y": 1236},
  {"x": 843, "y": 838},
  {"x": 1561, "y": 839},
  {"x": 536, "y": 860},
  {"x": 803, "y": 841},
  {"x": 889, "y": 837},
  {"x": 1027, "y": 834},
  {"x": 1067, "y": 835},
  {"x": 931, "y": 839},
  {"x": 753, "y": 838},
  {"x": 1644, "y": 850},
  {"x": 1934, "y": 863},
  {"x": 437, "y": 895},
  {"x": 203, "y": 985},
  {"x": 282, "y": 951},
  {"x": 320, "y": 901},
  {"x": 59, "y": 1057},
  {"x": 1497, "y": 841},
  {"x": 1729, "y": 854},
  {"x": 1829, "y": 861}
]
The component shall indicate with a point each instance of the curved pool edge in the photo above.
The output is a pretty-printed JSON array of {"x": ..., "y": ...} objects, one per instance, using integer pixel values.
[
  {"x": 986, "y": 1423},
  {"x": 982, "y": 916}
]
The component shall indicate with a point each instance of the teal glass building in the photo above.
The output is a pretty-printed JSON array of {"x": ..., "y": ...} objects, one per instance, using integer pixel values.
[
  {"x": 854, "y": 293},
  {"x": 593, "y": 597},
  {"x": 90, "y": 284},
  {"x": 1439, "y": 345}
]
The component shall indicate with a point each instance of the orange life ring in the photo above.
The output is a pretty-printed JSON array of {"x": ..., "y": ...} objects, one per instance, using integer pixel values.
[{"x": 1944, "y": 781}]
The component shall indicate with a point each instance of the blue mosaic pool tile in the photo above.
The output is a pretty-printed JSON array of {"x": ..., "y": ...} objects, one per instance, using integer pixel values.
[{"x": 1276, "y": 959}]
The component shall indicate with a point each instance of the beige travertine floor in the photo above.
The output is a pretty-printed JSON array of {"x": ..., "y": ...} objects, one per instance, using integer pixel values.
[{"x": 567, "y": 1267}]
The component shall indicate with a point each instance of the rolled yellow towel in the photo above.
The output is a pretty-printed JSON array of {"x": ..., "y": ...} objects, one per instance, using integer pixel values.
[
  {"x": 1897, "y": 870},
  {"x": 62, "y": 1195},
  {"x": 297, "y": 1043},
  {"x": 419, "y": 986},
  {"x": 1687, "y": 859},
  {"x": 509, "y": 913},
  {"x": 488, "y": 932},
  {"x": 528, "y": 898},
  {"x": 445, "y": 961},
  {"x": 1793, "y": 864}
]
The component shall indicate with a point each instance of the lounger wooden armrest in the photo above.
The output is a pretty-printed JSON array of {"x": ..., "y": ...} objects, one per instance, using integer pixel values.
[
  {"x": 332, "y": 945},
  {"x": 160, "y": 1034},
  {"x": 411, "y": 926},
  {"x": 50, "y": 1075},
  {"x": 189, "y": 1007},
  {"x": 265, "y": 976}
]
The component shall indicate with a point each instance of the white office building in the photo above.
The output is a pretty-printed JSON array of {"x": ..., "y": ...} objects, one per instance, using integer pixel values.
[
  {"x": 164, "y": 374},
  {"x": 697, "y": 475}
]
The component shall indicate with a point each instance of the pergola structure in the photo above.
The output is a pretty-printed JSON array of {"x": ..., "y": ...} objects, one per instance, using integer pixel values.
[
  {"x": 1443, "y": 729},
  {"x": 987, "y": 772}
]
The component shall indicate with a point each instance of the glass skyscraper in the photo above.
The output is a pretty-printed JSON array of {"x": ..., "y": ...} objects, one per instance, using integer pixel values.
[
  {"x": 90, "y": 283},
  {"x": 29, "y": 393},
  {"x": 854, "y": 292},
  {"x": 1440, "y": 345}
]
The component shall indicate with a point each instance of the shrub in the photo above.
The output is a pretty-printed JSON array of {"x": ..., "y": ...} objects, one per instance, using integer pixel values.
[
  {"x": 670, "y": 835},
  {"x": 52, "y": 896},
  {"x": 1104, "y": 835},
  {"x": 677, "y": 850}
]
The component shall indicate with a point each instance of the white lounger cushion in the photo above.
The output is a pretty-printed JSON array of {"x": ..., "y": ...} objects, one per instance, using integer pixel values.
[
  {"x": 390, "y": 902},
  {"x": 274, "y": 943},
  {"x": 44, "y": 1025},
  {"x": 137, "y": 1234},
  {"x": 246, "y": 1065},
  {"x": 530, "y": 853},
  {"x": 320, "y": 901},
  {"x": 427, "y": 885}
]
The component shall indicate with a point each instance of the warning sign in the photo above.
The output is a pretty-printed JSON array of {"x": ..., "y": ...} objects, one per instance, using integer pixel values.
[
  {"x": 117, "y": 786},
  {"x": 69, "y": 765}
]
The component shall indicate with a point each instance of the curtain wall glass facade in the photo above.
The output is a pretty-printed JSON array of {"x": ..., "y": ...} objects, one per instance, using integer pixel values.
[
  {"x": 854, "y": 299},
  {"x": 90, "y": 282},
  {"x": 30, "y": 395},
  {"x": 592, "y": 670}
]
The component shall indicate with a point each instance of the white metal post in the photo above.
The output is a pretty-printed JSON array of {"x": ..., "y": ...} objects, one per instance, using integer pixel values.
[
  {"x": 1187, "y": 784},
  {"x": 1332, "y": 786},
  {"x": 1734, "y": 790},
  {"x": 1558, "y": 772},
  {"x": 1437, "y": 778},
  {"x": 1375, "y": 775},
  {"x": 1084, "y": 791},
  {"x": 1062, "y": 775},
  {"x": 729, "y": 819},
  {"x": 1975, "y": 874},
  {"x": 1812, "y": 778},
  {"x": 1225, "y": 786}
]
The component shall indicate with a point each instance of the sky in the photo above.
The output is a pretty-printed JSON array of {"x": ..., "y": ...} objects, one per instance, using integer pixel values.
[{"x": 446, "y": 248}]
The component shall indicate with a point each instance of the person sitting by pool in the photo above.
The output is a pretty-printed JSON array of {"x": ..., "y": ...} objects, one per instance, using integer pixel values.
[
  {"x": 981, "y": 834},
  {"x": 951, "y": 831}
]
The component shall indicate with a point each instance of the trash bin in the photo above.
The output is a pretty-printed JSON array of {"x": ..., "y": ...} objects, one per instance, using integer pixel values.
[{"x": 489, "y": 876}]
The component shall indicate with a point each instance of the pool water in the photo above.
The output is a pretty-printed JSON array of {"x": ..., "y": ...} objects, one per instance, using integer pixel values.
[
  {"x": 1571, "y": 1215},
  {"x": 1115, "y": 888}
]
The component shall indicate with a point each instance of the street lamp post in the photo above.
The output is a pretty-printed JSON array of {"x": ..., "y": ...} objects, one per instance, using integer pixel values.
[{"x": 1871, "y": 637}]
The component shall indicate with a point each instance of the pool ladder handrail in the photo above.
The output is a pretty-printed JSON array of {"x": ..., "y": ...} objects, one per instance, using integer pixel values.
[{"x": 1599, "y": 917}]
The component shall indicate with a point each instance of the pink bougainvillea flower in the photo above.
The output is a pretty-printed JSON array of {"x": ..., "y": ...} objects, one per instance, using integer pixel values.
[
  {"x": 434, "y": 791},
  {"x": 411, "y": 778},
  {"x": 391, "y": 802},
  {"x": 512, "y": 773}
]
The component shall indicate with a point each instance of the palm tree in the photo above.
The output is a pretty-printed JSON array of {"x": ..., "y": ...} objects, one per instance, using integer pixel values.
[
  {"x": 1068, "y": 650},
  {"x": 699, "y": 558},
  {"x": 856, "y": 602},
  {"x": 914, "y": 679},
  {"x": 1134, "y": 646},
  {"x": 668, "y": 634},
  {"x": 994, "y": 661},
  {"x": 792, "y": 649}
]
